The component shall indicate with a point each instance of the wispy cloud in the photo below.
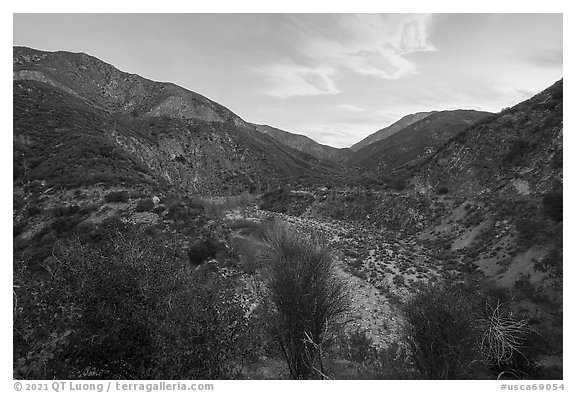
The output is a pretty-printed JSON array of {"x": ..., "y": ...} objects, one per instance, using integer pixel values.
[
  {"x": 375, "y": 44},
  {"x": 325, "y": 47},
  {"x": 339, "y": 133},
  {"x": 289, "y": 80},
  {"x": 545, "y": 58},
  {"x": 351, "y": 108}
]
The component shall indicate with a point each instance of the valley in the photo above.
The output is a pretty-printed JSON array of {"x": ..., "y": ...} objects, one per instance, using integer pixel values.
[{"x": 151, "y": 226}]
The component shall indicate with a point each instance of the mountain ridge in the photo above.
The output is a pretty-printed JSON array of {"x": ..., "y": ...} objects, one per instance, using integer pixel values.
[
  {"x": 390, "y": 130},
  {"x": 305, "y": 144},
  {"x": 182, "y": 137},
  {"x": 114, "y": 90},
  {"x": 414, "y": 141},
  {"x": 515, "y": 152}
]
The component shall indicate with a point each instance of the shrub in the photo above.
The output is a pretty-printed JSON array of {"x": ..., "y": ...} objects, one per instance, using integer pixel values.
[
  {"x": 247, "y": 250},
  {"x": 180, "y": 211},
  {"x": 159, "y": 209},
  {"x": 443, "y": 190},
  {"x": 399, "y": 280},
  {"x": 276, "y": 200},
  {"x": 516, "y": 148},
  {"x": 145, "y": 205},
  {"x": 528, "y": 229},
  {"x": 34, "y": 210},
  {"x": 307, "y": 295},
  {"x": 202, "y": 250},
  {"x": 552, "y": 263},
  {"x": 502, "y": 340},
  {"x": 553, "y": 205},
  {"x": 441, "y": 332},
  {"x": 18, "y": 227},
  {"x": 117, "y": 196},
  {"x": 126, "y": 309},
  {"x": 63, "y": 225},
  {"x": 247, "y": 227},
  {"x": 65, "y": 210},
  {"x": 397, "y": 183},
  {"x": 360, "y": 347}
]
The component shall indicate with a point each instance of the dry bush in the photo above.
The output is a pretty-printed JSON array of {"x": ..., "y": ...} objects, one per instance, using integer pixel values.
[
  {"x": 307, "y": 295},
  {"x": 442, "y": 333},
  {"x": 503, "y": 338}
]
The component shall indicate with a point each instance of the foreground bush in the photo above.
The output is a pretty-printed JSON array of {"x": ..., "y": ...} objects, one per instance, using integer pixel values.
[
  {"x": 502, "y": 340},
  {"x": 455, "y": 332},
  {"x": 126, "y": 309},
  {"x": 442, "y": 332},
  {"x": 308, "y": 298}
]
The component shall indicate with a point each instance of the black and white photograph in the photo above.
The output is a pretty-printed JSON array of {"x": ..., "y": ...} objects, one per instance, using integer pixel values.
[{"x": 287, "y": 196}]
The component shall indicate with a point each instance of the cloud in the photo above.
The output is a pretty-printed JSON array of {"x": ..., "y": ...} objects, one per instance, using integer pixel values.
[
  {"x": 325, "y": 47},
  {"x": 338, "y": 133},
  {"x": 378, "y": 44},
  {"x": 351, "y": 108},
  {"x": 545, "y": 58},
  {"x": 288, "y": 80}
]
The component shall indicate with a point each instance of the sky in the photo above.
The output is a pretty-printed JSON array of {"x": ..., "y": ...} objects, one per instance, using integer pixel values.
[{"x": 333, "y": 77}]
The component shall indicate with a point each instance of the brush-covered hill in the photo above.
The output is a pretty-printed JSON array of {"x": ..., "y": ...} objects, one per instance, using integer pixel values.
[
  {"x": 414, "y": 142},
  {"x": 305, "y": 144},
  {"x": 80, "y": 121},
  {"x": 517, "y": 152},
  {"x": 105, "y": 87},
  {"x": 391, "y": 129}
]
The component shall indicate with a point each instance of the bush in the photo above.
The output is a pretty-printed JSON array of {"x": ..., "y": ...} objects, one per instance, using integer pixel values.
[
  {"x": 528, "y": 229},
  {"x": 502, "y": 340},
  {"x": 34, "y": 210},
  {"x": 145, "y": 205},
  {"x": 552, "y": 263},
  {"x": 126, "y": 309},
  {"x": 248, "y": 227},
  {"x": 441, "y": 332},
  {"x": 307, "y": 295},
  {"x": 442, "y": 190},
  {"x": 65, "y": 210},
  {"x": 202, "y": 250},
  {"x": 397, "y": 183},
  {"x": 180, "y": 211},
  {"x": 399, "y": 280},
  {"x": 18, "y": 227},
  {"x": 517, "y": 147},
  {"x": 247, "y": 250},
  {"x": 117, "y": 196},
  {"x": 553, "y": 205}
]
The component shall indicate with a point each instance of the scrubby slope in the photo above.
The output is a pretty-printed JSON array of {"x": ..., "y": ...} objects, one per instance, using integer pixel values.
[
  {"x": 414, "y": 142},
  {"x": 305, "y": 144},
  {"x": 517, "y": 152},
  {"x": 80, "y": 120},
  {"x": 391, "y": 129}
]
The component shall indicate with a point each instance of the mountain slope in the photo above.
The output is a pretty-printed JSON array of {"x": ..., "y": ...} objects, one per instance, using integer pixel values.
[
  {"x": 77, "y": 119},
  {"x": 517, "y": 152},
  {"x": 305, "y": 144},
  {"x": 414, "y": 142},
  {"x": 391, "y": 129},
  {"x": 107, "y": 88}
]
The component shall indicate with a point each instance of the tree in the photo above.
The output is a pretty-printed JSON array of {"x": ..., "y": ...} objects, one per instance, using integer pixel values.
[{"x": 308, "y": 296}]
